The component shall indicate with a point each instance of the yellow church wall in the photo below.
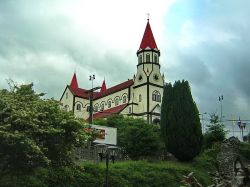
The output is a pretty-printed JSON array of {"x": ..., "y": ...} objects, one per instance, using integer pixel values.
[
  {"x": 112, "y": 98},
  {"x": 84, "y": 103},
  {"x": 67, "y": 100}
]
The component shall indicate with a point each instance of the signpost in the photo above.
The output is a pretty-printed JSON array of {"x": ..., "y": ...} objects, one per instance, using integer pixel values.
[{"x": 106, "y": 135}]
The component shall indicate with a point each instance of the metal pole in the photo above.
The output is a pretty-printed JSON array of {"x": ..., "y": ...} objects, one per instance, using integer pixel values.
[
  {"x": 221, "y": 111},
  {"x": 242, "y": 133},
  {"x": 202, "y": 123},
  {"x": 233, "y": 124},
  {"x": 91, "y": 107}
]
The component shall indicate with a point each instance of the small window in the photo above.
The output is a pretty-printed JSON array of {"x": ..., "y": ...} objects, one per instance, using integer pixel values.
[
  {"x": 116, "y": 101},
  {"x": 102, "y": 106},
  {"x": 88, "y": 107},
  {"x": 140, "y": 98},
  {"x": 66, "y": 108},
  {"x": 78, "y": 107},
  {"x": 67, "y": 95},
  {"x": 155, "y": 59},
  {"x": 156, "y": 96},
  {"x": 147, "y": 57},
  {"x": 109, "y": 104},
  {"x": 124, "y": 99},
  {"x": 96, "y": 108},
  {"x": 140, "y": 59},
  {"x": 130, "y": 110}
]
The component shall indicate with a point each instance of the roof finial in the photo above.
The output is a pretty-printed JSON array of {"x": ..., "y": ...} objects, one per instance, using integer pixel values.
[{"x": 148, "y": 16}]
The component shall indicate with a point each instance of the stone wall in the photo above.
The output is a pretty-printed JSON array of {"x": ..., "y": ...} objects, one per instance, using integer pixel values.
[{"x": 233, "y": 169}]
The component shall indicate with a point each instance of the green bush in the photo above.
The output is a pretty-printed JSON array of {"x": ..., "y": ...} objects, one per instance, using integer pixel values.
[
  {"x": 245, "y": 150},
  {"x": 140, "y": 140},
  {"x": 215, "y": 132}
]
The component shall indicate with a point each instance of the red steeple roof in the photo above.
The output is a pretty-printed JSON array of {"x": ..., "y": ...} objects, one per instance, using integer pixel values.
[
  {"x": 74, "y": 84},
  {"x": 148, "y": 39},
  {"x": 103, "y": 88}
]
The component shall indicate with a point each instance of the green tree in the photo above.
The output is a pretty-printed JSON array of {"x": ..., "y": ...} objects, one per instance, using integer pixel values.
[
  {"x": 139, "y": 139},
  {"x": 180, "y": 124},
  {"x": 35, "y": 132},
  {"x": 215, "y": 132}
]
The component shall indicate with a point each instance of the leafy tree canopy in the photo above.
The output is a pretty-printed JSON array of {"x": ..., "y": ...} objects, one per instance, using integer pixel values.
[
  {"x": 139, "y": 139},
  {"x": 215, "y": 132},
  {"x": 34, "y": 132}
]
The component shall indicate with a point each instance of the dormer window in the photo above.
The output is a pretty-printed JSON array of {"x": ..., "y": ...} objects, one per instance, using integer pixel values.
[
  {"x": 147, "y": 57},
  {"x": 109, "y": 104}
]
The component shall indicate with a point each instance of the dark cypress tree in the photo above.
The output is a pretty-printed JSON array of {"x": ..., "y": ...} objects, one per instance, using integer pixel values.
[{"x": 180, "y": 124}]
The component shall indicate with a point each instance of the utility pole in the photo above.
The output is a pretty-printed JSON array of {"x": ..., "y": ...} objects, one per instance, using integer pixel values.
[{"x": 91, "y": 91}]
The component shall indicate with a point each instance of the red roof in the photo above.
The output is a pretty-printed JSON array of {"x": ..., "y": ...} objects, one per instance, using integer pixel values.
[
  {"x": 103, "y": 88},
  {"x": 109, "y": 112},
  {"x": 83, "y": 93},
  {"x": 79, "y": 92},
  {"x": 114, "y": 89},
  {"x": 148, "y": 39},
  {"x": 74, "y": 84}
]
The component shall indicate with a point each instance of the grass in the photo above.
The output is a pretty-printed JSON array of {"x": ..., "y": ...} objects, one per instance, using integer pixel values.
[
  {"x": 153, "y": 174},
  {"x": 121, "y": 174}
]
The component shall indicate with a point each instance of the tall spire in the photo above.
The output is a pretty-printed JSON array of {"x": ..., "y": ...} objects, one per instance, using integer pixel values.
[
  {"x": 74, "y": 84},
  {"x": 103, "y": 88},
  {"x": 148, "y": 39}
]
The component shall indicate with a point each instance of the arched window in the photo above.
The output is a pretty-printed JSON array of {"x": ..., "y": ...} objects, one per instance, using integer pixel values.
[
  {"x": 78, "y": 107},
  {"x": 147, "y": 57},
  {"x": 109, "y": 104},
  {"x": 140, "y": 98},
  {"x": 116, "y": 101},
  {"x": 96, "y": 108},
  {"x": 155, "y": 59},
  {"x": 156, "y": 96},
  {"x": 140, "y": 59},
  {"x": 102, "y": 106},
  {"x": 124, "y": 99}
]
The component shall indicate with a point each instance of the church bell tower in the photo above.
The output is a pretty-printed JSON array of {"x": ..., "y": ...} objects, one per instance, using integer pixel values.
[{"x": 148, "y": 81}]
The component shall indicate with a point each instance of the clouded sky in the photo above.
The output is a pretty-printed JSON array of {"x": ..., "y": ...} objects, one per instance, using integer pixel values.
[{"x": 203, "y": 41}]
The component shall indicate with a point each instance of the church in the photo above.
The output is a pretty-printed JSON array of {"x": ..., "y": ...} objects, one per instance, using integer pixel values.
[{"x": 139, "y": 97}]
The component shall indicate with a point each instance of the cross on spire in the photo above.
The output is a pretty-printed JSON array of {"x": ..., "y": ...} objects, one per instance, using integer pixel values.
[{"x": 148, "y": 16}]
